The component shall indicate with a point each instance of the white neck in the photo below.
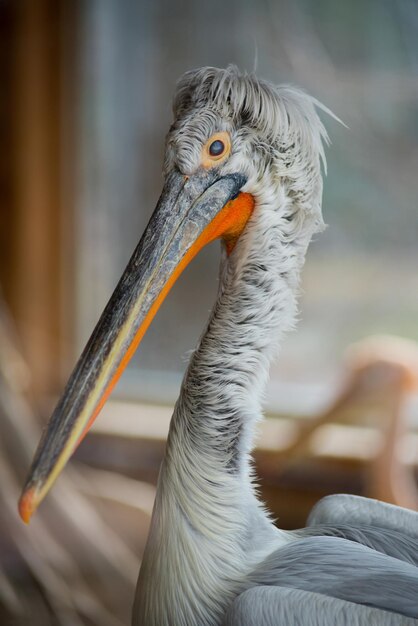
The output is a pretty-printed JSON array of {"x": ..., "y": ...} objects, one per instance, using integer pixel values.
[{"x": 208, "y": 529}]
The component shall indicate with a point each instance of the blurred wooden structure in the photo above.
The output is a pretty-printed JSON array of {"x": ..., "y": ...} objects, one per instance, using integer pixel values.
[{"x": 35, "y": 217}]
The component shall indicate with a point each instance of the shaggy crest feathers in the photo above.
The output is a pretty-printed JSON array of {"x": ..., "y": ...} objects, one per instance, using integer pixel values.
[
  {"x": 245, "y": 99},
  {"x": 277, "y": 136}
]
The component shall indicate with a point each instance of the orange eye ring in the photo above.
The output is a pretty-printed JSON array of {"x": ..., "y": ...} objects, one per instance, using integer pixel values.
[{"x": 216, "y": 149}]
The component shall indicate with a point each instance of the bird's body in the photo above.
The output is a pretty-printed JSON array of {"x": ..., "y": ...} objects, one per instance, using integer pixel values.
[{"x": 214, "y": 556}]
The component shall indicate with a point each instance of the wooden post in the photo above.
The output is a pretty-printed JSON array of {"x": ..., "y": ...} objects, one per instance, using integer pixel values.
[{"x": 32, "y": 262}]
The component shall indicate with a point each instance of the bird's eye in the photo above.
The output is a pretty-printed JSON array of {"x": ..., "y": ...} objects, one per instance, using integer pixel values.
[{"x": 216, "y": 149}]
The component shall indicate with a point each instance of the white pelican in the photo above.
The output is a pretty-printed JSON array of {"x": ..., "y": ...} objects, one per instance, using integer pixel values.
[{"x": 243, "y": 163}]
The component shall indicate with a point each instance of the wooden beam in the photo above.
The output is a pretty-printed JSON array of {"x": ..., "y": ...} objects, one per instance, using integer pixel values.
[{"x": 38, "y": 218}]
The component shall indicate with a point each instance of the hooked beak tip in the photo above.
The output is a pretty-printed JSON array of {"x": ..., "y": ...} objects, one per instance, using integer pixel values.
[{"x": 27, "y": 504}]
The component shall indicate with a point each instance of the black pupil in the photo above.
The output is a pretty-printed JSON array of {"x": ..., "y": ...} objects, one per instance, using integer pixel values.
[{"x": 216, "y": 147}]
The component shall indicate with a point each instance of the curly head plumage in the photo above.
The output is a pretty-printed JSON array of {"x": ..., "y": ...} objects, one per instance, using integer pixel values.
[{"x": 277, "y": 136}]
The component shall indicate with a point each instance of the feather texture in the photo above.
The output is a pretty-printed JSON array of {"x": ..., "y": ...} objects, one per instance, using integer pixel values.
[{"x": 279, "y": 606}]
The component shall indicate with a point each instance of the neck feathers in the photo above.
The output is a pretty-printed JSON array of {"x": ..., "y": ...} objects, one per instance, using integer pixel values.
[
  {"x": 224, "y": 385},
  {"x": 208, "y": 525}
]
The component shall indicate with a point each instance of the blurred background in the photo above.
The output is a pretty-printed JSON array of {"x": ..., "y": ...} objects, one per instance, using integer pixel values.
[{"x": 87, "y": 88}]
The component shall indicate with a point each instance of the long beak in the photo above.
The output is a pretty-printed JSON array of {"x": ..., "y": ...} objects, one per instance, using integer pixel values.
[{"x": 190, "y": 213}]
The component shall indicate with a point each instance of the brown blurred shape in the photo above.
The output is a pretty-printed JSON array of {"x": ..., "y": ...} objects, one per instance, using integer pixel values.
[
  {"x": 380, "y": 372},
  {"x": 36, "y": 73}
]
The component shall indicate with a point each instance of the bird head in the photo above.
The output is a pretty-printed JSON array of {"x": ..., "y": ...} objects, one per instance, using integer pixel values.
[
  {"x": 228, "y": 123},
  {"x": 240, "y": 153}
]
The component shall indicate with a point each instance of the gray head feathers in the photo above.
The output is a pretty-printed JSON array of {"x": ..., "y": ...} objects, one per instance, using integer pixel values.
[
  {"x": 277, "y": 135},
  {"x": 246, "y": 100}
]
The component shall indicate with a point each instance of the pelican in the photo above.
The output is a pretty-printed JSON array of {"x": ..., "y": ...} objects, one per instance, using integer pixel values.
[{"x": 243, "y": 164}]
